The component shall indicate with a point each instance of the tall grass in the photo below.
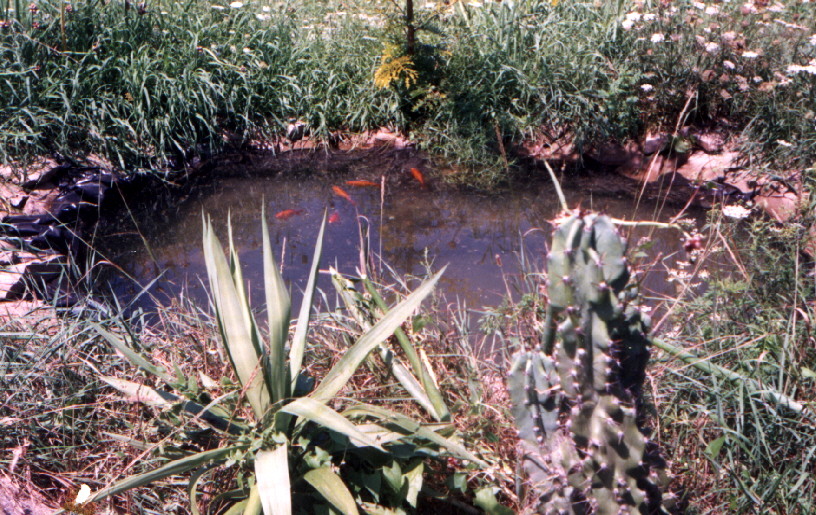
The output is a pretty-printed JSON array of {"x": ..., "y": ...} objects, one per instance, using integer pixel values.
[
  {"x": 151, "y": 89},
  {"x": 735, "y": 449}
]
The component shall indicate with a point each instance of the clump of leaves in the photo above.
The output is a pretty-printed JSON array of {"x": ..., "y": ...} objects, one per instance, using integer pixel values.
[
  {"x": 395, "y": 69},
  {"x": 293, "y": 452}
]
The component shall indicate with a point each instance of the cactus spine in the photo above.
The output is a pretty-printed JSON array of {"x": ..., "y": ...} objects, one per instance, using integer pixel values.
[{"x": 576, "y": 398}]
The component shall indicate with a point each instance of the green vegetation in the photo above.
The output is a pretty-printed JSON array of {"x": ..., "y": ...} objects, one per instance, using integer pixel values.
[
  {"x": 150, "y": 87},
  {"x": 364, "y": 456},
  {"x": 392, "y": 424},
  {"x": 576, "y": 400},
  {"x": 743, "y": 440}
]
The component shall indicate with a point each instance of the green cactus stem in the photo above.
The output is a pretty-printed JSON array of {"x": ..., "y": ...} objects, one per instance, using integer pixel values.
[{"x": 576, "y": 399}]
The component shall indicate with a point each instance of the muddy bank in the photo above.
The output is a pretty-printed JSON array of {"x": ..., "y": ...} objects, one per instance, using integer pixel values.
[{"x": 53, "y": 212}]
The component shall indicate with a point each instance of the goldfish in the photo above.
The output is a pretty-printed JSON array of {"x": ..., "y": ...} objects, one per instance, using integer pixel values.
[
  {"x": 340, "y": 192},
  {"x": 334, "y": 217},
  {"x": 286, "y": 214},
  {"x": 418, "y": 176},
  {"x": 366, "y": 184}
]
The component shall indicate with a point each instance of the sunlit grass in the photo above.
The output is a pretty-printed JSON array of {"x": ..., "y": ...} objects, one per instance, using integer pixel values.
[{"x": 152, "y": 87}]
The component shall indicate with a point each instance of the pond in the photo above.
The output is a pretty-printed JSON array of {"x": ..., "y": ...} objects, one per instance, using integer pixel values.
[{"x": 412, "y": 228}]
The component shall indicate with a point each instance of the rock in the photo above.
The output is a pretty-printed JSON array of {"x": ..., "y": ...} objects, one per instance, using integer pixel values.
[
  {"x": 13, "y": 257},
  {"x": 649, "y": 169},
  {"x": 12, "y": 282},
  {"x": 655, "y": 144},
  {"x": 8, "y": 173},
  {"x": 702, "y": 167},
  {"x": 8, "y": 257},
  {"x": 611, "y": 154},
  {"x": 40, "y": 201},
  {"x": 782, "y": 207},
  {"x": 710, "y": 142}
]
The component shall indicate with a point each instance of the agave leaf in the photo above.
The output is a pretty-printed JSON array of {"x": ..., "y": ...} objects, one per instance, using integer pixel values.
[
  {"x": 412, "y": 385},
  {"x": 414, "y": 481},
  {"x": 379, "y": 433},
  {"x": 302, "y": 326},
  {"x": 486, "y": 500},
  {"x": 272, "y": 475},
  {"x": 253, "y": 505},
  {"x": 411, "y": 427},
  {"x": 134, "y": 357},
  {"x": 315, "y": 411},
  {"x": 278, "y": 307},
  {"x": 170, "y": 469},
  {"x": 235, "y": 325},
  {"x": 192, "y": 487},
  {"x": 439, "y": 410},
  {"x": 331, "y": 487},
  {"x": 237, "y": 508},
  {"x": 359, "y": 308},
  {"x": 141, "y": 393},
  {"x": 339, "y": 375}
]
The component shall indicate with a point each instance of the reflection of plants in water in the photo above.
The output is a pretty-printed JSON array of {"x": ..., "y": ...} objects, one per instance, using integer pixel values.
[{"x": 294, "y": 450}]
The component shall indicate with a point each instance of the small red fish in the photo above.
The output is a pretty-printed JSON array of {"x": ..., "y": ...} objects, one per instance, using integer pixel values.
[
  {"x": 418, "y": 176},
  {"x": 286, "y": 214},
  {"x": 363, "y": 184},
  {"x": 340, "y": 192},
  {"x": 334, "y": 217}
]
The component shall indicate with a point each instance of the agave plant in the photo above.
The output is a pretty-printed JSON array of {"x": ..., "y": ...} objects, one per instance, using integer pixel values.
[{"x": 298, "y": 453}]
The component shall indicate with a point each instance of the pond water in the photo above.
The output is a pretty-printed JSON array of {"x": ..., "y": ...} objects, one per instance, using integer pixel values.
[{"x": 412, "y": 229}]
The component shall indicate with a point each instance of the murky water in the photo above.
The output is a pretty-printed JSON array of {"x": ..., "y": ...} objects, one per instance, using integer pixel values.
[{"x": 412, "y": 229}]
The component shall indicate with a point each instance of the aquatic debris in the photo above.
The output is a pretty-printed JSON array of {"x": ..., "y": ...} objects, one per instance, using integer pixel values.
[
  {"x": 363, "y": 184},
  {"x": 340, "y": 192},
  {"x": 286, "y": 214},
  {"x": 334, "y": 217},
  {"x": 418, "y": 176}
]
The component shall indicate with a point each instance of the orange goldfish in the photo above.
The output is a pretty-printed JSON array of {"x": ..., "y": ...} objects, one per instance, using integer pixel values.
[
  {"x": 340, "y": 192},
  {"x": 364, "y": 184},
  {"x": 334, "y": 217},
  {"x": 286, "y": 214},
  {"x": 418, "y": 176}
]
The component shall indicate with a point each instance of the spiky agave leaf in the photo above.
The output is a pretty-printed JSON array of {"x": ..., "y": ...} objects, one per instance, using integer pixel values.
[{"x": 238, "y": 332}]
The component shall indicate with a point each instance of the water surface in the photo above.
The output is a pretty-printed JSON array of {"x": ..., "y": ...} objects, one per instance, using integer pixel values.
[{"x": 411, "y": 228}]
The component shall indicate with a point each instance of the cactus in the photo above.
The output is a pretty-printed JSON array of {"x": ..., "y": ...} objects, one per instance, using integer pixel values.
[{"x": 576, "y": 399}]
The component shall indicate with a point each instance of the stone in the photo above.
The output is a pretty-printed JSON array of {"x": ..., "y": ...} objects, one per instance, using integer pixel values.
[
  {"x": 649, "y": 168},
  {"x": 610, "y": 154},
  {"x": 702, "y": 167},
  {"x": 40, "y": 201},
  {"x": 710, "y": 142},
  {"x": 655, "y": 143},
  {"x": 782, "y": 207},
  {"x": 8, "y": 257},
  {"x": 12, "y": 283}
]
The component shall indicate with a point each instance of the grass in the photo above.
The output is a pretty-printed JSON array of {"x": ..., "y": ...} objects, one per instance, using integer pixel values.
[
  {"x": 150, "y": 89},
  {"x": 75, "y": 429},
  {"x": 736, "y": 451}
]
